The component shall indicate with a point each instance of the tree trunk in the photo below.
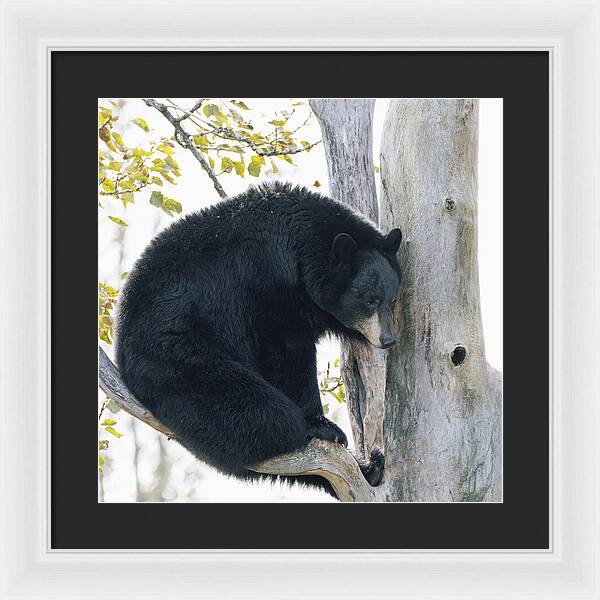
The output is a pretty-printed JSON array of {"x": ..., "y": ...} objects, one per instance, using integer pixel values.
[
  {"x": 347, "y": 128},
  {"x": 441, "y": 401}
]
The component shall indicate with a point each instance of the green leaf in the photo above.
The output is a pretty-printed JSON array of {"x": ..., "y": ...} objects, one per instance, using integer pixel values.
[
  {"x": 254, "y": 165},
  {"x": 210, "y": 110},
  {"x": 227, "y": 164},
  {"x": 113, "y": 432},
  {"x": 141, "y": 124},
  {"x": 113, "y": 407},
  {"x": 171, "y": 205},
  {"x": 377, "y": 169},
  {"x": 156, "y": 199},
  {"x": 277, "y": 123},
  {"x": 118, "y": 221},
  {"x": 157, "y": 180},
  {"x": 108, "y": 422},
  {"x": 114, "y": 165}
]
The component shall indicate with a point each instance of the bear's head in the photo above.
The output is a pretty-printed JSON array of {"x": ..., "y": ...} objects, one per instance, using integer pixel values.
[{"x": 367, "y": 285}]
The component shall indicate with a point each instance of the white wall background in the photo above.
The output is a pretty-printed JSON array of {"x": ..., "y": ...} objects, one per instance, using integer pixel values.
[{"x": 189, "y": 480}]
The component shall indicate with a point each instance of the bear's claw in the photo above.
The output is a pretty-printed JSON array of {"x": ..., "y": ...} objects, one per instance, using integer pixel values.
[{"x": 322, "y": 428}]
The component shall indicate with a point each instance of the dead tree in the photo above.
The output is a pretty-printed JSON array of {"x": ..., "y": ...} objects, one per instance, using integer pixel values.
[{"x": 432, "y": 398}]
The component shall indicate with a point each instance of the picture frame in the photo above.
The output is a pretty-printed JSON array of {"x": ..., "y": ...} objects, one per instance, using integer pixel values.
[{"x": 568, "y": 31}]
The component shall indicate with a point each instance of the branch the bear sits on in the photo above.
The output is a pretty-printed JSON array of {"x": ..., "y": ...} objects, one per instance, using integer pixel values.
[{"x": 219, "y": 317}]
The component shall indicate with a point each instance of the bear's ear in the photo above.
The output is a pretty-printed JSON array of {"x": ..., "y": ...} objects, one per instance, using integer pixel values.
[
  {"x": 392, "y": 240},
  {"x": 343, "y": 249}
]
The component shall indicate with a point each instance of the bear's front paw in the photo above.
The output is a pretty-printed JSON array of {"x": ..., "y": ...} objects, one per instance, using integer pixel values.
[{"x": 322, "y": 428}]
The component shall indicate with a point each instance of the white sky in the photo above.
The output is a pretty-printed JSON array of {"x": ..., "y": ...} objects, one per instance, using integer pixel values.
[{"x": 190, "y": 480}]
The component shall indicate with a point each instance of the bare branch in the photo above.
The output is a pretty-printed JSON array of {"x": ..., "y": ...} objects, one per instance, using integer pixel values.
[
  {"x": 188, "y": 113},
  {"x": 184, "y": 139},
  {"x": 327, "y": 459},
  {"x": 112, "y": 385}
]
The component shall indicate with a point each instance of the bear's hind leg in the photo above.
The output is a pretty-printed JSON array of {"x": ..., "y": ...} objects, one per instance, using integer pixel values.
[{"x": 233, "y": 418}]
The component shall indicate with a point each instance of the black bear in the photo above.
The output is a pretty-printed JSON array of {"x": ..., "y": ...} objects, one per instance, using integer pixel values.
[{"x": 219, "y": 317}]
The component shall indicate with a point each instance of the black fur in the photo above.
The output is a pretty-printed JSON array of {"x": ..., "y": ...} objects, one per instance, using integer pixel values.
[{"x": 219, "y": 317}]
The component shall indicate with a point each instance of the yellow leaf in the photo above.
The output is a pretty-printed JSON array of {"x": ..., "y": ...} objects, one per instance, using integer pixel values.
[
  {"x": 200, "y": 140},
  {"x": 141, "y": 124},
  {"x": 113, "y": 432},
  {"x": 104, "y": 114},
  {"x": 126, "y": 198},
  {"x": 171, "y": 205},
  {"x": 108, "y": 422},
  {"x": 118, "y": 221},
  {"x": 119, "y": 141},
  {"x": 226, "y": 164},
  {"x": 110, "y": 291},
  {"x": 239, "y": 104},
  {"x": 239, "y": 168},
  {"x": 108, "y": 185}
]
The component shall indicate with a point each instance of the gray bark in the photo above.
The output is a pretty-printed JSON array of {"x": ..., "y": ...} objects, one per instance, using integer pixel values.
[
  {"x": 347, "y": 127},
  {"x": 441, "y": 421}
]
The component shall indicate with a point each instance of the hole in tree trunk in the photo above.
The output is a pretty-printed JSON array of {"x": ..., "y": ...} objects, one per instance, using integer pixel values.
[
  {"x": 450, "y": 203},
  {"x": 458, "y": 355}
]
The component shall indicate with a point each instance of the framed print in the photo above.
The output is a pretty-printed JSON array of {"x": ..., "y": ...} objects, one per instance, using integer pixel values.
[{"x": 445, "y": 172}]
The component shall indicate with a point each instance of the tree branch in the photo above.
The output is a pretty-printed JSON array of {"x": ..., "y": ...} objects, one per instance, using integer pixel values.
[
  {"x": 112, "y": 385},
  {"x": 327, "y": 459},
  {"x": 184, "y": 139},
  {"x": 226, "y": 133}
]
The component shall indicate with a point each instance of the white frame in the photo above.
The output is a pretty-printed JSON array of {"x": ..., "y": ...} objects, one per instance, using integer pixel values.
[{"x": 568, "y": 29}]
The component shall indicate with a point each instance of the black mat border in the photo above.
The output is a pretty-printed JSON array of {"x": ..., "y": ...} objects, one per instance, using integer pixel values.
[{"x": 522, "y": 79}]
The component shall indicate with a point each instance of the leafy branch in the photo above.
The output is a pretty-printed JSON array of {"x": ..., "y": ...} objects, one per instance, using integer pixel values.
[
  {"x": 184, "y": 139},
  {"x": 214, "y": 123},
  {"x": 124, "y": 171}
]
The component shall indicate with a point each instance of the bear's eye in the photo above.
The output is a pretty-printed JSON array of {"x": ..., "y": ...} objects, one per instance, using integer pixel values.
[{"x": 373, "y": 302}]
